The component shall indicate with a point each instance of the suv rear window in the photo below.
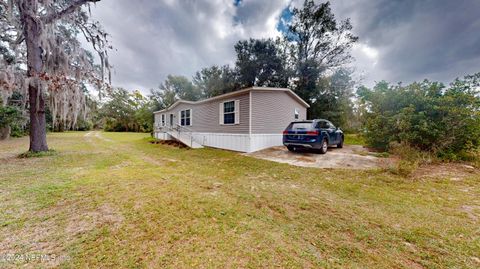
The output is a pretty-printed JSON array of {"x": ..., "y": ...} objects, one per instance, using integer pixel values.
[{"x": 301, "y": 125}]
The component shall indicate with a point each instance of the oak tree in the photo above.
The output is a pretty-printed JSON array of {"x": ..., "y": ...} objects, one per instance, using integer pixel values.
[{"x": 48, "y": 62}]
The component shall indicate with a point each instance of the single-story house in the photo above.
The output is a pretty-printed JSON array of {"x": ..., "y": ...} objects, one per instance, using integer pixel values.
[{"x": 247, "y": 120}]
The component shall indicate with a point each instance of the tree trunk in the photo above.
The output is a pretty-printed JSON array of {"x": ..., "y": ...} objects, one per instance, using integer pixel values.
[
  {"x": 5, "y": 132},
  {"x": 38, "y": 128},
  {"x": 33, "y": 32}
]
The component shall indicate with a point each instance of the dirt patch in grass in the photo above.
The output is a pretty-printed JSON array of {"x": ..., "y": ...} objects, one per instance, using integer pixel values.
[
  {"x": 121, "y": 165},
  {"x": 349, "y": 157},
  {"x": 46, "y": 234},
  {"x": 451, "y": 171},
  {"x": 100, "y": 136},
  {"x": 38, "y": 238},
  {"x": 155, "y": 161},
  {"x": 34, "y": 237},
  {"x": 172, "y": 143},
  {"x": 12, "y": 147},
  {"x": 472, "y": 211},
  {"x": 414, "y": 265},
  {"x": 87, "y": 221}
]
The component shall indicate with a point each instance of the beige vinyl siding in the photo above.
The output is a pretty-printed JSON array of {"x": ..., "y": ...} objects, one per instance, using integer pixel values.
[
  {"x": 158, "y": 119},
  {"x": 206, "y": 115},
  {"x": 272, "y": 111}
]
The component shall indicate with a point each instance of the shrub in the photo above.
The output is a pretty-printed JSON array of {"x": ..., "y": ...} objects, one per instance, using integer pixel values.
[
  {"x": 410, "y": 158},
  {"x": 427, "y": 116},
  {"x": 404, "y": 168},
  {"x": 84, "y": 125},
  {"x": 18, "y": 130},
  {"x": 12, "y": 121},
  {"x": 408, "y": 153}
]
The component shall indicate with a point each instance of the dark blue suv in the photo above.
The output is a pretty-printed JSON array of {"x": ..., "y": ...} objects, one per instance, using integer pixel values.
[{"x": 312, "y": 134}]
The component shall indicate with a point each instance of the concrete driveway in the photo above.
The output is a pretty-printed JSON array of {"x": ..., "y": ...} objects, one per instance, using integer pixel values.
[{"x": 349, "y": 157}]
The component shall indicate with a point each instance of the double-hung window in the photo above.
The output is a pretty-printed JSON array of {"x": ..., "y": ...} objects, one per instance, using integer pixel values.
[
  {"x": 186, "y": 117},
  {"x": 297, "y": 114},
  {"x": 229, "y": 112}
]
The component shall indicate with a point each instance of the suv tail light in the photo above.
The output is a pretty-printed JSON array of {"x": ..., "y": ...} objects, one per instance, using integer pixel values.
[
  {"x": 285, "y": 132},
  {"x": 312, "y": 133}
]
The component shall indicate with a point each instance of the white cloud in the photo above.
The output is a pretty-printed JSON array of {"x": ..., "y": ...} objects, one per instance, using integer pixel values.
[
  {"x": 365, "y": 64},
  {"x": 370, "y": 52}
]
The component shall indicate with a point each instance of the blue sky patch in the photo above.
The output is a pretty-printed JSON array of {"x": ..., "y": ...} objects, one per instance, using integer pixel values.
[{"x": 285, "y": 19}]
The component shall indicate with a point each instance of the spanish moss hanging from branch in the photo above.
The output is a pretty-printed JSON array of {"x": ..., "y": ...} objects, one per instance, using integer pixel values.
[{"x": 43, "y": 60}]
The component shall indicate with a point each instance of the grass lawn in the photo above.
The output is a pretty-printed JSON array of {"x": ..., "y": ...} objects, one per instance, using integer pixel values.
[
  {"x": 113, "y": 200},
  {"x": 354, "y": 139}
]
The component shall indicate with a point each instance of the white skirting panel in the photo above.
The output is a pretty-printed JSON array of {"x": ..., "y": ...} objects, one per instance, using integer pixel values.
[
  {"x": 162, "y": 136},
  {"x": 236, "y": 142},
  {"x": 263, "y": 141},
  {"x": 239, "y": 142}
]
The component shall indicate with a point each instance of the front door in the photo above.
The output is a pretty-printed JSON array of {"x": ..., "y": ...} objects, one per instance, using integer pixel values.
[{"x": 171, "y": 120}]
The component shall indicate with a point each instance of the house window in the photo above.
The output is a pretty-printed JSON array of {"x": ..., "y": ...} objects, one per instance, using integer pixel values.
[
  {"x": 229, "y": 112},
  {"x": 185, "y": 117},
  {"x": 297, "y": 114},
  {"x": 163, "y": 119}
]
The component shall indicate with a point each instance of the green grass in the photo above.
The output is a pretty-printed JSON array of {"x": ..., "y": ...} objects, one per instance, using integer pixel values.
[
  {"x": 380, "y": 154},
  {"x": 31, "y": 154},
  {"x": 354, "y": 139},
  {"x": 114, "y": 200}
]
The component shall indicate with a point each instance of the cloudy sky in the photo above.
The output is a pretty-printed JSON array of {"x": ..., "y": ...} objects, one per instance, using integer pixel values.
[{"x": 404, "y": 40}]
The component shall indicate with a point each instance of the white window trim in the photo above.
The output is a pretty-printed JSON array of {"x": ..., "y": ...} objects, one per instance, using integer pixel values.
[
  {"x": 191, "y": 117},
  {"x": 180, "y": 117},
  {"x": 236, "y": 112}
]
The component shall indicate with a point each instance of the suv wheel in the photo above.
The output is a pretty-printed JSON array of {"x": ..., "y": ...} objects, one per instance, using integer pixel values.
[
  {"x": 324, "y": 147},
  {"x": 291, "y": 148},
  {"x": 340, "y": 145}
]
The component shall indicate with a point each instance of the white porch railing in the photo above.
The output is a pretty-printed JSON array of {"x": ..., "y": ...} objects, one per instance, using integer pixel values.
[{"x": 182, "y": 134}]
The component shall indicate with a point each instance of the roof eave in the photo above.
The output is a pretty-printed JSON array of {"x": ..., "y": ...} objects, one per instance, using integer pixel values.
[{"x": 294, "y": 95}]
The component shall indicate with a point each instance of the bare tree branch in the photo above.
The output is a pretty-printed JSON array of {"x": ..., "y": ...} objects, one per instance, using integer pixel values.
[{"x": 57, "y": 15}]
